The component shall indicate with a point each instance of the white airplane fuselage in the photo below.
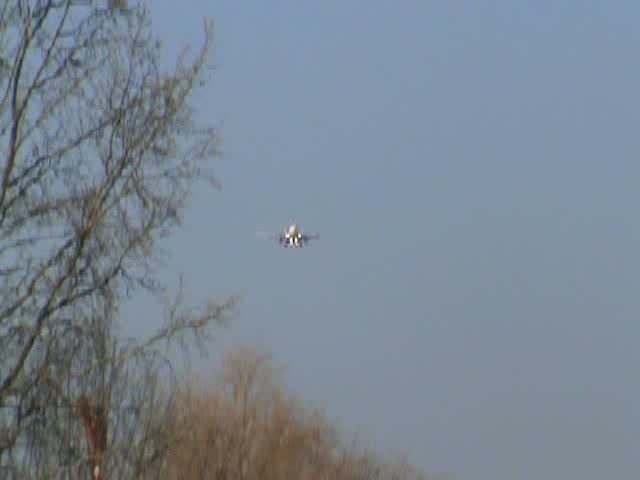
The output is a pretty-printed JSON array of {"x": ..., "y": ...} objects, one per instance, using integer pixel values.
[{"x": 293, "y": 237}]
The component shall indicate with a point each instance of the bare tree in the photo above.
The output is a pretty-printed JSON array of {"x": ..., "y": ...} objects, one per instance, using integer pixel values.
[
  {"x": 99, "y": 150},
  {"x": 246, "y": 425}
]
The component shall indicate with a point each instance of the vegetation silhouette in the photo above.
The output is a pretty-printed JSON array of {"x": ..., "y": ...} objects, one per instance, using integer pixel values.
[{"x": 246, "y": 425}]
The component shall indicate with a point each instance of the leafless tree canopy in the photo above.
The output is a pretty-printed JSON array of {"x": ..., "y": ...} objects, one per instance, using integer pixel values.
[
  {"x": 98, "y": 153},
  {"x": 247, "y": 426}
]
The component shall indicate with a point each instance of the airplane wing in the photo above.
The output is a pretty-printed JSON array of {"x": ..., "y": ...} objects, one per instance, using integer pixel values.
[
  {"x": 310, "y": 236},
  {"x": 271, "y": 236}
]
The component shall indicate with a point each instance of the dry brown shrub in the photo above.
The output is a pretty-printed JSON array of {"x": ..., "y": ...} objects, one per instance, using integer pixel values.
[{"x": 246, "y": 426}]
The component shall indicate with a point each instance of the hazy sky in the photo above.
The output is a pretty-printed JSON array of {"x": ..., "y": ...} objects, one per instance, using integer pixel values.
[{"x": 473, "y": 169}]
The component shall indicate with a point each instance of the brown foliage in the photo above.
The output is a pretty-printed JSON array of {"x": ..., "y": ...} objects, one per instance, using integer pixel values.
[
  {"x": 247, "y": 426},
  {"x": 95, "y": 424}
]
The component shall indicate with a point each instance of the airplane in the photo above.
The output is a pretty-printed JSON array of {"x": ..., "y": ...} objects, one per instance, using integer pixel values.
[{"x": 292, "y": 237}]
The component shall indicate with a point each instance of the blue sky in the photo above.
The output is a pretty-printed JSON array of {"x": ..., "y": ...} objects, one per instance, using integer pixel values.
[{"x": 473, "y": 169}]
